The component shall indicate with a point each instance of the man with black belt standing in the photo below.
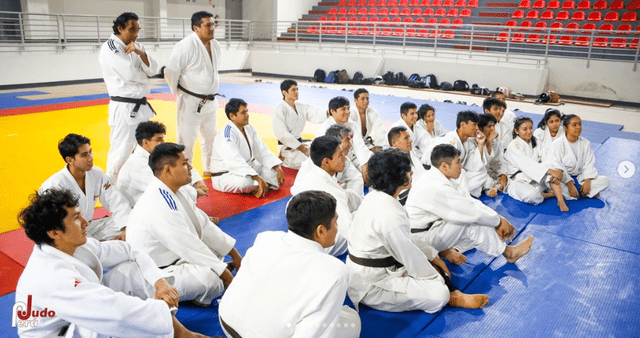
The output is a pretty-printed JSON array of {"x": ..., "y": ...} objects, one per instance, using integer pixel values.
[
  {"x": 125, "y": 68},
  {"x": 192, "y": 74}
]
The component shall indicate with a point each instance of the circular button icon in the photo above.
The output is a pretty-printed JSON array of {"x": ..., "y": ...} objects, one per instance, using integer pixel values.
[{"x": 626, "y": 169}]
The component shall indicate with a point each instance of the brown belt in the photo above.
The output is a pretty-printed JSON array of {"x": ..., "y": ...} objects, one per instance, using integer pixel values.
[
  {"x": 376, "y": 262},
  {"x": 218, "y": 174},
  {"x": 229, "y": 329},
  {"x": 429, "y": 225}
]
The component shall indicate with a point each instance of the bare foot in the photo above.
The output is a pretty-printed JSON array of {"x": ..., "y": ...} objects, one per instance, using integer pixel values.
[
  {"x": 493, "y": 192},
  {"x": 597, "y": 195},
  {"x": 453, "y": 256},
  {"x": 546, "y": 195},
  {"x": 198, "y": 304},
  {"x": 513, "y": 252},
  {"x": 215, "y": 220},
  {"x": 563, "y": 207},
  {"x": 459, "y": 299}
]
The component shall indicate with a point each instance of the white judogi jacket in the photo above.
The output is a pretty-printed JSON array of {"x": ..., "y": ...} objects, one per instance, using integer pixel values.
[
  {"x": 97, "y": 185},
  {"x": 376, "y": 134},
  {"x": 416, "y": 166},
  {"x": 287, "y": 287},
  {"x": 191, "y": 66},
  {"x": 521, "y": 157},
  {"x": 135, "y": 175},
  {"x": 232, "y": 153},
  {"x": 169, "y": 227},
  {"x": 312, "y": 177},
  {"x": 359, "y": 153},
  {"x": 289, "y": 124},
  {"x": 581, "y": 164},
  {"x": 419, "y": 138},
  {"x": 126, "y": 75},
  {"x": 495, "y": 163},
  {"x": 438, "y": 129},
  {"x": 504, "y": 128},
  {"x": 351, "y": 178},
  {"x": 380, "y": 229},
  {"x": 544, "y": 139},
  {"x": 434, "y": 198},
  {"x": 469, "y": 153},
  {"x": 71, "y": 286}
]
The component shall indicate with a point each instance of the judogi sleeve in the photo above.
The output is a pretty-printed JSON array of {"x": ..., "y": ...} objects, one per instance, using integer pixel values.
[
  {"x": 360, "y": 149},
  {"x": 114, "y": 201},
  {"x": 153, "y": 66},
  {"x": 399, "y": 244},
  {"x": 517, "y": 157},
  {"x": 177, "y": 61},
  {"x": 456, "y": 207},
  {"x": 280, "y": 129},
  {"x": 121, "y": 64},
  {"x": 556, "y": 155},
  {"x": 378, "y": 130},
  {"x": 262, "y": 152},
  {"x": 314, "y": 114},
  {"x": 213, "y": 236},
  {"x": 589, "y": 170}
]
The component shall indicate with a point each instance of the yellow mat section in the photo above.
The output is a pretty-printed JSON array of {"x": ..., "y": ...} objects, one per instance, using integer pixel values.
[{"x": 29, "y": 145}]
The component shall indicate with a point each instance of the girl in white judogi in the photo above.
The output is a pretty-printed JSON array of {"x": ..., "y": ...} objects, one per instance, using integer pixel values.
[
  {"x": 548, "y": 131},
  {"x": 427, "y": 121},
  {"x": 574, "y": 153},
  {"x": 495, "y": 166},
  {"x": 531, "y": 177}
]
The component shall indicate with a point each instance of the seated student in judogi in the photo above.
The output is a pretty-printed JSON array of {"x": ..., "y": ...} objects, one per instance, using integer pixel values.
[
  {"x": 89, "y": 183},
  {"x": 531, "y": 175},
  {"x": 495, "y": 166},
  {"x": 549, "y": 130},
  {"x": 318, "y": 173},
  {"x": 242, "y": 162},
  {"x": 179, "y": 237},
  {"x": 339, "y": 114},
  {"x": 135, "y": 175},
  {"x": 408, "y": 119},
  {"x": 388, "y": 269},
  {"x": 399, "y": 138},
  {"x": 504, "y": 127},
  {"x": 288, "y": 285},
  {"x": 444, "y": 215},
  {"x": 427, "y": 122},
  {"x": 368, "y": 120},
  {"x": 350, "y": 177},
  {"x": 288, "y": 119},
  {"x": 468, "y": 139},
  {"x": 64, "y": 277},
  {"x": 573, "y": 152}
]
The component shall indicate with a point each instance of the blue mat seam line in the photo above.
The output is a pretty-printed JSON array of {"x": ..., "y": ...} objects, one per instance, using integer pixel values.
[{"x": 582, "y": 240}]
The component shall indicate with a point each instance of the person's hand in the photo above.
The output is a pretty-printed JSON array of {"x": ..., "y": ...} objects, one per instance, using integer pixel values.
[
  {"x": 226, "y": 277},
  {"x": 261, "y": 189},
  {"x": 505, "y": 229},
  {"x": 492, "y": 137},
  {"x": 440, "y": 263},
  {"x": 430, "y": 126},
  {"x": 122, "y": 236},
  {"x": 166, "y": 292},
  {"x": 502, "y": 180},
  {"x": 555, "y": 173},
  {"x": 201, "y": 188},
  {"x": 131, "y": 47},
  {"x": 278, "y": 170},
  {"x": 376, "y": 149},
  {"x": 481, "y": 139},
  {"x": 304, "y": 149},
  {"x": 236, "y": 259},
  {"x": 573, "y": 191},
  {"x": 365, "y": 172},
  {"x": 585, "y": 188}
]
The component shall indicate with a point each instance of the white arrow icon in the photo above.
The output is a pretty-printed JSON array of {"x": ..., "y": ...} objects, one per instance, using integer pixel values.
[{"x": 626, "y": 169}]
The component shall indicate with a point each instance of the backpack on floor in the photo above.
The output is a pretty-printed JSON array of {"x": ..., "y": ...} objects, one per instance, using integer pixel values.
[
  {"x": 342, "y": 77},
  {"x": 401, "y": 79},
  {"x": 319, "y": 75},
  {"x": 461, "y": 85},
  {"x": 413, "y": 77},
  {"x": 331, "y": 77},
  {"x": 446, "y": 86},
  {"x": 358, "y": 78},
  {"x": 430, "y": 81},
  {"x": 368, "y": 81},
  {"x": 389, "y": 78}
]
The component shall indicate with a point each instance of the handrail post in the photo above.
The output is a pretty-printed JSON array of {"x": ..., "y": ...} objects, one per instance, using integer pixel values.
[
  {"x": 98, "y": 27},
  {"x": 296, "y": 35},
  {"x": 635, "y": 62},
  {"x": 158, "y": 29},
  {"x": 22, "y": 30},
  {"x": 590, "y": 47},
  {"x": 471, "y": 40}
]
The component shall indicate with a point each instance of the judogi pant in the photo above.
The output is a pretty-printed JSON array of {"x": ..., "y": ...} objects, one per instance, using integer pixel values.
[
  {"x": 428, "y": 295},
  {"x": 103, "y": 228},
  {"x": 192, "y": 124},
  {"x": 236, "y": 184},
  {"x": 597, "y": 185},
  {"x": 122, "y": 139},
  {"x": 195, "y": 282},
  {"x": 464, "y": 237},
  {"x": 293, "y": 158}
]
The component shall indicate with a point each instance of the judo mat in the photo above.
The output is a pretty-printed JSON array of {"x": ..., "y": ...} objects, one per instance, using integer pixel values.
[{"x": 579, "y": 279}]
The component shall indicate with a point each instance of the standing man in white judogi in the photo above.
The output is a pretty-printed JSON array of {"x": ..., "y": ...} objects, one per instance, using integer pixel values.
[
  {"x": 179, "y": 237},
  {"x": 192, "y": 74},
  {"x": 126, "y": 67},
  {"x": 368, "y": 120},
  {"x": 90, "y": 183},
  {"x": 288, "y": 120},
  {"x": 242, "y": 162}
]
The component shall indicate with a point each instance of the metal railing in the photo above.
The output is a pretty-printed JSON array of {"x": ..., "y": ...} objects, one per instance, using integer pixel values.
[{"x": 511, "y": 44}]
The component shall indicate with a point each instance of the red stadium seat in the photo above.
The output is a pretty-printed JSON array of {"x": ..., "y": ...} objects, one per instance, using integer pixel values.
[
  {"x": 449, "y": 34},
  {"x": 333, "y": 11},
  {"x": 472, "y": 3},
  {"x": 394, "y": 11},
  {"x": 362, "y": 11},
  {"x": 382, "y": 3},
  {"x": 584, "y": 4},
  {"x": 342, "y": 3},
  {"x": 611, "y": 16},
  {"x": 416, "y": 12},
  {"x": 619, "y": 43},
  {"x": 383, "y": 11},
  {"x": 553, "y": 4},
  {"x": 547, "y": 15},
  {"x": 518, "y": 14},
  {"x": 569, "y": 4},
  {"x": 562, "y": 15},
  {"x": 353, "y": 19},
  {"x": 424, "y": 3},
  {"x": 517, "y": 37},
  {"x": 525, "y": 4},
  {"x": 407, "y": 20},
  {"x": 634, "y": 43},
  {"x": 538, "y": 4},
  {"x": 323, "y": 19},
  {"x": 373, "y": 20},
  {"x": 595, "y": 16},
  {"x": 606, "y": 28},
  {"x": 525, "y": 26},
  {"x": 445, "y": 22},
  {"x": 422, "y": 33},
  {"x": 601, "y": 42},
  {"x": 617, "y": 4},
  {"x": 372, "y": 3},
  {"x": 405, "y": 11},
  {"x": 353, "y": 11},
  {"x": 312, "y": 30},
  {"x": 396, "y": 21},
  {"x": 342, "y": 11},
  {"x": 375, "y": 31},
  {"x": 588, "y": 27},
  {"x": 578, "y": 16},
  {"x": 582, "y": 41},
  {"x": 436, "y": 3},
  {"x": 373, "y": 11},
  {"x": 440, "y": 12},
  {"x": 532, "y": 15},
  {"x": 342, "y": 19},
  {"x": 511, "y": 23},
  {"x": 633, "y": 5},
  {"x": 398, "y": 32},
  {"x": 352, "y": 2},
  {"x": 362, "y": 3},
  {"x": 556, "y": 26},
  {"x": 353, "y": 30},
  {"x": 414, "y": 3},
  {"x": 565, "y": 40},
  {"x": 433, "y": 33},
  {"x": 502, "y": 37},
  {"x": 550, "y": 38},
  {"x": 453, "y": 12},
  {"x": 385, "y": 20},
  {"x": 461, "y": 3},
  {"x": 333, "y": 19},
  {"x": 411, "y": 32},
  {"x": 428, "y": 12},
  {"x": 392, "y": 3},
  {"x": 465, "y": 13},
  {"x": 432, "y": 22},
  {"x": 447, "y": 3},
  {"x": 629, "y": 17},
  {"x": 624, "y": 29},
  {"x": 602, "y": 4},
  {"x": 420, "y": 20},
  {"x": 540, "y": 26},
  {"x": 573, "y": 27},
  {"x": 533, "y": 38},
  {"x": 403, "y": 3},
  {"x": 457, "y": 23}
]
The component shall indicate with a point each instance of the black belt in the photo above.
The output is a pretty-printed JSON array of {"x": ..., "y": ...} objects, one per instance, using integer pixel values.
[
  {"x": 166, "y": 266},
  {"x": 204, "y": 98},
  {"x": 515, "y": 174},
  {"x": 138, "y": 102},
  {"x": 300, "y": 139},
  {"x": 376, "y": 262},
  {"x": 429, "y": 225},
  {"x": 229, "y": 329}
]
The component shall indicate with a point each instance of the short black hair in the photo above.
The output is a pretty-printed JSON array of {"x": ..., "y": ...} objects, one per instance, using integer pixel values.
[
  {"x": 466, "y": 116},
  {"x": 496, "y": 93},
  {"x": 388, "y": 170},
  {"x": 69, "y": 145},
  {"x": 146, "y": 130},
  {"x": 492, "y": 101},
  {"x": 121, "y": 21},
  {"x": 484, "y": 119},
  {"x": 286, "y": 84},
  {"x": 233, "y": 107},
  {"x": 404, "y": 108},
  {"x": 337, "y": 102},
  {"x": 196, "y": 18},
  {"x": 323, "y": 147},
  {"x": 359, "y": 91},
  {"x": 547, "y": 115},
  {"x": 423, "y": 110},
  {"x": 163, "y": 154},
  {"x": 309, "y": 209},
  {"x": 567, "y": 119},
  {"x": 394, "y": 132},
  {"x": 519, "y": 121},
  {"x": 338, "y": 132},
  {"x": 46, "y": 213},
  {"x": 443, "y": 153}
]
